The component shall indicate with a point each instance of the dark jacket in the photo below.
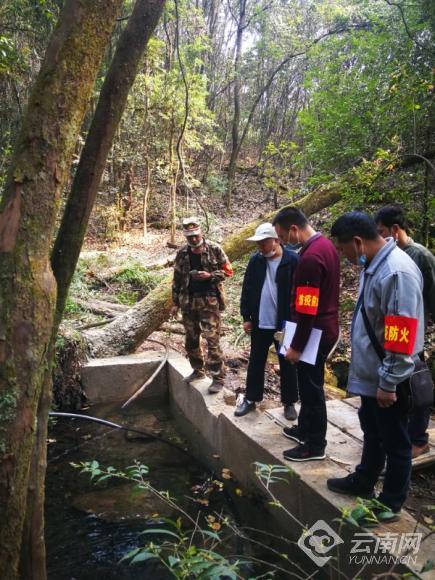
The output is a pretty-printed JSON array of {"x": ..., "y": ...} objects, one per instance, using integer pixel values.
[
  {"x": 425, "y": 260},
  {"x": 253, "y": 284}
]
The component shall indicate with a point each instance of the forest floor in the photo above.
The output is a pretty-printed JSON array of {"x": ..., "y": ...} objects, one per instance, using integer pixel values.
[{"x": 122, "y": 268}]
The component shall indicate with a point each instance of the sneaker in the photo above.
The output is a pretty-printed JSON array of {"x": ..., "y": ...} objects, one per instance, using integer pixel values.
[
  {"x": 303, "y": 453},
  {"x": 350, "y": 485},
  {"x": 293, "y": 433},
  {"x": 244, "y": 408},
  {"x": 290, "y": 412},
  {"x": 215, "y": 387},
  {"x": 418, "y": 450},
  {"x": 197, "y": 375}
]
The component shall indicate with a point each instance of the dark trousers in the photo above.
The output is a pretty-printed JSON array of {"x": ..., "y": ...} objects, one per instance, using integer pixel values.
[
  {"x": 419, "y": 422},
  {"x": 261, "y": 339},
  {"x": 418, "y": 425},
  {"x": 312, "y": 422},
  {"x": 385, "y": 437}
]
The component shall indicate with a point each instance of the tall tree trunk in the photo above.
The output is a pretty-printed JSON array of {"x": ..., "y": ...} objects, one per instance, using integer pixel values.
[
  {"x": 129, "y": 330},
  {"x": 28, "y": 211},
  {"x": 146, "y": 155},
  {"x": 146, "y": 194},
  {"x": 113, "y": 97},
  {"x": 235, "y": 149},
  {"x": 173, "y": 173}
]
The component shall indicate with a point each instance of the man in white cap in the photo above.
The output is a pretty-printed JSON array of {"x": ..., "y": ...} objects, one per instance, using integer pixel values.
[
  {"x": 197, "y": 290},
  {"x": 265, "y": 305}
]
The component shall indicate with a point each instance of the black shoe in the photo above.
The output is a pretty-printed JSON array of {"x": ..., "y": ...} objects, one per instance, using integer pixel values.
[
  {"x": 350, "y": 485},
  {"x": 244, "y": 408},
  {"x": 293, "y": 433},
  {"x": 303, "y": 453},
  {"x": 290, "y": 412}
]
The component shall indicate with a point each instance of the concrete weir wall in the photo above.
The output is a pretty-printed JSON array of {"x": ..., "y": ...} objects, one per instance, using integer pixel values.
[{"x": 221, "y": 440}]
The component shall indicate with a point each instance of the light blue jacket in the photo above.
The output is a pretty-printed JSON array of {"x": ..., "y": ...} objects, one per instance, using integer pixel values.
[{"x": 392, "y": 286}]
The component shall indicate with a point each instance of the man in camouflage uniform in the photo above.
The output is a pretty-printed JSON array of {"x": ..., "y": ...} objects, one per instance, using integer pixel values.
[{"x": 197, "y": 290}]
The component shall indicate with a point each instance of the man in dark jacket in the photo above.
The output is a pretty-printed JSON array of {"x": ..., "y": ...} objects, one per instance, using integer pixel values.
[
  {"x": 265, "y": 305},
  {"x": 314, "y": 304}
]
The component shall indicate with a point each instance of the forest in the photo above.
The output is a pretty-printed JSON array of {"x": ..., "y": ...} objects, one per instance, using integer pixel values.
[{"x": 120, "y": 117}]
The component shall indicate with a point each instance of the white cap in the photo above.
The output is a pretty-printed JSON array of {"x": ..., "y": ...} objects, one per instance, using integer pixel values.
[
  {"x": 191, "y": 226},
  {"x": 263, "y": 232}
]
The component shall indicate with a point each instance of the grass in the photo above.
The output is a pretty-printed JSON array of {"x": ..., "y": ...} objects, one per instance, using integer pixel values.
[{"x": 134, "y": 274}]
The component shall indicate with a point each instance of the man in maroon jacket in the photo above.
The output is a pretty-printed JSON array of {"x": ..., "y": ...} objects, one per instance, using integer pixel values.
[{"x": 314, "y": 305}]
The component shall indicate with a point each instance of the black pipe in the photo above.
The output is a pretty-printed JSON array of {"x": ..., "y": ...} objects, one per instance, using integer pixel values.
[
  {"x": 116, "y": 426},
  {"x": 230, "y": 501}
]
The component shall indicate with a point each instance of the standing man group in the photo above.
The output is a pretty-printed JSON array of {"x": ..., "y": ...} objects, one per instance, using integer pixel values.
[
  {"x": 197, "y": 290},
  {"x": 395, "y": 300}
]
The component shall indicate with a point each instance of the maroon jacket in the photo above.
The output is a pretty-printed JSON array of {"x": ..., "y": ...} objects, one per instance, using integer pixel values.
[{"x": 315, "y": 292}]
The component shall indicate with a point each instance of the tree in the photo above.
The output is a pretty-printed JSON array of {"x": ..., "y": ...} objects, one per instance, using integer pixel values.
[
  {"x": 111, "y": 103},
  {"x": 28, "y": 210}
]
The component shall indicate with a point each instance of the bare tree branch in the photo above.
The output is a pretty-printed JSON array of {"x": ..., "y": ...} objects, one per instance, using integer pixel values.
[{"x": 405, "y": 24}]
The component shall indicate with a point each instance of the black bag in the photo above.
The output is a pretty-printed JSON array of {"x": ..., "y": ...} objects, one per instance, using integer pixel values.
[{"x": 416, "y": 391}]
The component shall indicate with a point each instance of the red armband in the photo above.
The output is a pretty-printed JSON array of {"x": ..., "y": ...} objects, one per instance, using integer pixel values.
[
  {"x": 307, "y": 299},
  {"x": 228, "y": 269},
  {"x": 400, "y": 334}
]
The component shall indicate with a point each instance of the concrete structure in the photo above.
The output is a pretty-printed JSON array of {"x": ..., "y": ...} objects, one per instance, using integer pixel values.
[{"x": 222, "y": 440}]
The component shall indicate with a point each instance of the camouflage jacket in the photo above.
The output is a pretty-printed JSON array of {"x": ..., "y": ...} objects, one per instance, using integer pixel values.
[{"x": 213, "y": 260}]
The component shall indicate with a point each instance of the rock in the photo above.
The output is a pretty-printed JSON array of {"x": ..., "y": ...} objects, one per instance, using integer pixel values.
[{"x": 229, "y": 397}]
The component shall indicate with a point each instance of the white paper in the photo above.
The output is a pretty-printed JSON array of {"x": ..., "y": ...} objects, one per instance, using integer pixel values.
[{"x": 309, "y": 354}]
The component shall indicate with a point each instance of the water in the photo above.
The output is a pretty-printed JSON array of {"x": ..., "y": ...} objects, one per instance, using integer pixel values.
[{"x": 90, "y": 528}]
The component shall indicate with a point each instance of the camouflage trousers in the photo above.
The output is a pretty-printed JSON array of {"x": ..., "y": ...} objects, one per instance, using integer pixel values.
[{"x": 204, "y": 318}]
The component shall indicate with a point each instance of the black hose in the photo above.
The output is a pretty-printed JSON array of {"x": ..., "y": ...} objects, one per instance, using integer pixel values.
[
  {"x": 116, "y": 426},
  {"x": 229, "y": 499}
]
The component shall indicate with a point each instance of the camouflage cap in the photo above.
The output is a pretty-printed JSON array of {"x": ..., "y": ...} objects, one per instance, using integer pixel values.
[{"x": 191, "y": 226}]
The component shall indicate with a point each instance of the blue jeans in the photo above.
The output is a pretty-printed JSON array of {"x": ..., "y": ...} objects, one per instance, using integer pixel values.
[{"x": 385, "y": 437}]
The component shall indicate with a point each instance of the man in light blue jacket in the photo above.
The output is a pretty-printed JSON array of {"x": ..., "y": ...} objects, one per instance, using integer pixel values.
[{"x": 391, "y": 295}]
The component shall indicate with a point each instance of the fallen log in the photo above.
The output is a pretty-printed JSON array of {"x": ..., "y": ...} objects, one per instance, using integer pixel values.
[
  {"x": 102, "y": 307},
  {"x": 124, "y": 334}
]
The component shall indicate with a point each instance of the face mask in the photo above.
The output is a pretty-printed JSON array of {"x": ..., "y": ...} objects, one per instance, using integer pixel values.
[
  {"x": 270, "y": 254},
  {"x": 362, "y": 258},
  {"x": 192, "y": 245}
]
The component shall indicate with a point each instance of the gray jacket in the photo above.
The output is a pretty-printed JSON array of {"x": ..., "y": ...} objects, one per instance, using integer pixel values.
[{"x": 392, "y": 286}]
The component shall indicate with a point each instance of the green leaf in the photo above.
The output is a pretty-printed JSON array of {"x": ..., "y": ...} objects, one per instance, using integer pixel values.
[
  {"x": 161, "y": 531},
  {"x": 142, "y": 556}
]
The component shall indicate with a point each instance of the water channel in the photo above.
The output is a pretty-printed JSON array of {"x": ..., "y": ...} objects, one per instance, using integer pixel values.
[{"x": 91, "y": 527}]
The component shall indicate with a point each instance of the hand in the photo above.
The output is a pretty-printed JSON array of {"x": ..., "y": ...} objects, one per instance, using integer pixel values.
[
  {"x": 292, "y": 355},
  {"x": 202, "y": 275},
  {"x": 385, "y": 398},
  {"x": 174, "y": 311},
  {"x": 247, "y": 327}
]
